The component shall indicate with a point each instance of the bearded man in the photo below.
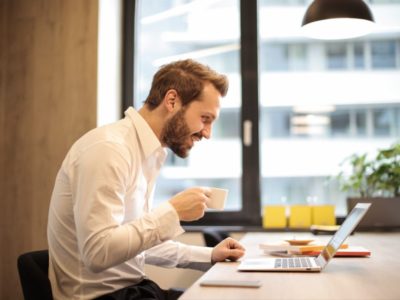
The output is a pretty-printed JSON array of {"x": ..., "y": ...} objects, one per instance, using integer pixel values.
[{"x": 101, "y": 227}]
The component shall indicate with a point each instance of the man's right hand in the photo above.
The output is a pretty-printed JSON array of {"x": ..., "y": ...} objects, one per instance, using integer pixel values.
[{"x": 191, "y": 203}]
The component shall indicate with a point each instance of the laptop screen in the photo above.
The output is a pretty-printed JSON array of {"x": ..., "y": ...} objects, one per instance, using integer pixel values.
[{"x": 344, "y": 231}]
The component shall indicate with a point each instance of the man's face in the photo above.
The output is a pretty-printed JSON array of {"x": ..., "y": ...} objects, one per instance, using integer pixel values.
[{"x": 192, "y": 122}]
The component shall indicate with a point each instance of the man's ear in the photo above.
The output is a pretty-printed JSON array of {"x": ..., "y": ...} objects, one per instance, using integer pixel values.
[{"x": 171, "y": 100}]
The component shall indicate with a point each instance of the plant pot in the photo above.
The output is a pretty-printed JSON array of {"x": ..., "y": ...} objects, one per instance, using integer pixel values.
[{"x": 384, "y": 213}]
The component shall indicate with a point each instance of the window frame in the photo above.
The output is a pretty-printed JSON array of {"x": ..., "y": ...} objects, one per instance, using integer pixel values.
[{"x": 250, "y": 214}]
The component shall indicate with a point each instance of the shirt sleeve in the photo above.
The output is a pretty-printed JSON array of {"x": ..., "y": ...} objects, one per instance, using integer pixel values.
[
  {"x": 172, "y": 254},
  {"x": 99, "y": 179}
]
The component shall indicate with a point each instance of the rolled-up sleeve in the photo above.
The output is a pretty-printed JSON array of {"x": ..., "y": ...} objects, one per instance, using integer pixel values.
[{"x": 172, "y": 254}]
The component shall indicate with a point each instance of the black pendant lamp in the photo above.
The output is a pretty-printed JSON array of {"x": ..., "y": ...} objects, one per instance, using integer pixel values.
[{"x": 337, "y": 19}]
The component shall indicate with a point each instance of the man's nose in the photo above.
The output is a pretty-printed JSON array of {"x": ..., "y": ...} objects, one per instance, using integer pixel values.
[{"x": 206, "y": 132}]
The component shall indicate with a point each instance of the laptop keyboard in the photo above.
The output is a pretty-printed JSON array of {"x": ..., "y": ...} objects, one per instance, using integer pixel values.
[{"x": 293, "y": 262}]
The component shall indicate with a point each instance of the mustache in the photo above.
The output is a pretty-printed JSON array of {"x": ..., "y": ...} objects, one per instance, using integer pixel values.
[{"x": 198, "y": 135}]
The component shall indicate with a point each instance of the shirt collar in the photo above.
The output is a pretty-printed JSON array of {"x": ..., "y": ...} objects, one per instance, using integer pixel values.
[{"x": 147, "y": 137}]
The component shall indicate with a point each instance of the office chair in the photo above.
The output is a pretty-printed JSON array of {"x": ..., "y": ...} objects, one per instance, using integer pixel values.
[
  {"x": 213, "y": 236},
  {"x": 33, "y": 274}
]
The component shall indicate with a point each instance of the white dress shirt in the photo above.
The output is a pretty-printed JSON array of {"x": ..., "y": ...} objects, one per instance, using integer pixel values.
[{"x": 101, "y": 228}]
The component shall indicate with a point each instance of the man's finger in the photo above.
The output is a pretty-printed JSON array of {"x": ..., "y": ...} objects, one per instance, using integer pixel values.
[
  {"x": 234, "y": 254},
  {"x": 232, "y": 244}
]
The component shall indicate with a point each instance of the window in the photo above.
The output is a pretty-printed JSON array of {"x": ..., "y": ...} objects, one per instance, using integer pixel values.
[
  {"x": 284, "y": 57},
  {"x": 342, "y": 102},
  {"x": 340, "y": 120},
  {"x": 359, "y": 57},
  {"x": 276, "y": 57},
  {"x": 276, "y": 122},
  {"x": 383, "y": 54},
  {"x": 171, "y": 30},
  {"x": 361, "y": 122},
  {"x": 336, "y": 55},
  {"x": 310, "y": 103},
  {"x": 382, "y": 119}
]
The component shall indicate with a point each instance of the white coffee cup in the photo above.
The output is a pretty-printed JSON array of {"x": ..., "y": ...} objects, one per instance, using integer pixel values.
[{"x": 217, "y": 198}]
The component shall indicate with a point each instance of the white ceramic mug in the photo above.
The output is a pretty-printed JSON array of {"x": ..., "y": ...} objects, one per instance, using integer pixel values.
[{"x": 217, "y": 198}]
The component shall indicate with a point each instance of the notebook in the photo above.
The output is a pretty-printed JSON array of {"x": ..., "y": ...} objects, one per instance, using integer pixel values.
[{"x": 309, "y": 264}]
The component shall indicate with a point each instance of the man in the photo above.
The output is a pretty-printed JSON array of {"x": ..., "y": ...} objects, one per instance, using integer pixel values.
[{"x": 101, "y": 229}]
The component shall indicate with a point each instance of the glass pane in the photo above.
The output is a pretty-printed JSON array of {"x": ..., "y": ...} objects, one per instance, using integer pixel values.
[
  {"x": 275, "y": 122},
  {"x": 336, "y": 57},
  {"x": 334, "y": 105},
  {"x": 276, "y": 57},
  {"x": 396, "y": 130},
  {"x": 359, "y": 59},
  {"x": 340, "y": 123},
  {"x": 361, "y": 123},
  {"x": 297, "y": 57},
  {"x": 284, "y": 57},
  {"x": 382, "y": 122},
  {"x": 170, "y": 30},
  {"x": 383, "y": 54}
]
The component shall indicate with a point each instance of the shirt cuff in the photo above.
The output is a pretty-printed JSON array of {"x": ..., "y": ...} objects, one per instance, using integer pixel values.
[
  {"x": 168, "y": 219},
  {"x": 200, "y": 258},
  {"x": 200, "y": 254}
]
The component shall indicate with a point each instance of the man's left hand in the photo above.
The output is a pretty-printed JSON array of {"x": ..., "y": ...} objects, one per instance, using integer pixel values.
[{"x": 227, "y": 249}]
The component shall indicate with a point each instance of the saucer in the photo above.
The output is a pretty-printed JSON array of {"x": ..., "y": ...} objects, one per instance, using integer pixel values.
[{"x": 299, "y": 242}]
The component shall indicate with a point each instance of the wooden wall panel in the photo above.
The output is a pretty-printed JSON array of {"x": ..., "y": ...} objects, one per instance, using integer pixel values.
[{"x": 48, "y": 76}]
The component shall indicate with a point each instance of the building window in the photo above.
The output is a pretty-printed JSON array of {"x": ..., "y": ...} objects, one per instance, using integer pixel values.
[
  {"x": 382, "y": 122},
  {"x": 383, "y": 54},
  {"x": 361, "y": 122},
  {"x": 359, "y": 56},
  {"x": 340, "y": 123},
  {"x": 336, "y": 56}
]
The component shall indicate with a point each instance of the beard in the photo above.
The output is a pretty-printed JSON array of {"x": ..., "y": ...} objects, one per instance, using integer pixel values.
[{"x": 175, "y": 134}]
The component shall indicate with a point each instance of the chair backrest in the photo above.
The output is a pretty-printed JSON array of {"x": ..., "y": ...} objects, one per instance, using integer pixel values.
[
  {"x": 33, "y": 274},
  {"x": 213, "y": 236}
]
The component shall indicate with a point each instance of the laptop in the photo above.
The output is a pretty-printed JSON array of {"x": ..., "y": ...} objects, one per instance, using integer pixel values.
[{"x": 305, "y": 263}]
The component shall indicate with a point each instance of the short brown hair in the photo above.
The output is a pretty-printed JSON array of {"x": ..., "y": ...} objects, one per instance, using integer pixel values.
[{"x": 187, "y": 77}]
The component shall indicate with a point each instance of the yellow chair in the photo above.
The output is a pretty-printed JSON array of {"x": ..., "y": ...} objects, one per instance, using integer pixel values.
[
  {"x": 323, "y": 215},
  {"x": 274, "y": 216},
  {"x": 300, "y": 216}
]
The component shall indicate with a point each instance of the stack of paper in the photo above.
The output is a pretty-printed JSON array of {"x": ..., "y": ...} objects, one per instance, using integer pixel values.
[
  {"x": 349, "y": 251},
  {"x": 300, "y": 249}
]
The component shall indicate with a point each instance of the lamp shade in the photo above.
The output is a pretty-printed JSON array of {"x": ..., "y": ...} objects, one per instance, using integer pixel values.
[{"x": 337, "y": 19}]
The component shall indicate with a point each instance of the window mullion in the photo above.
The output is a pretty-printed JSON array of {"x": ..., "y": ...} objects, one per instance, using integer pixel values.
[{"x": 250, "y": 112}]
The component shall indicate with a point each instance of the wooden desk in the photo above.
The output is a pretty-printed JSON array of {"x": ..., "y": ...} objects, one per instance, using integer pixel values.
[{"x": 376, "y": 277}]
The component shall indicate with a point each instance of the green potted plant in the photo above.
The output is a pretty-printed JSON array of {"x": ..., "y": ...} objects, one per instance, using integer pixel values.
[{"x": 376, "y": 181}]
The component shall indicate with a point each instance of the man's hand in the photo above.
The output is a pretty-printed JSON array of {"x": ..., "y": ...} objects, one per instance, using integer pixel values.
[
  {"x": 227, "y": 249},
  {"x": 191, "y": 203}
]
